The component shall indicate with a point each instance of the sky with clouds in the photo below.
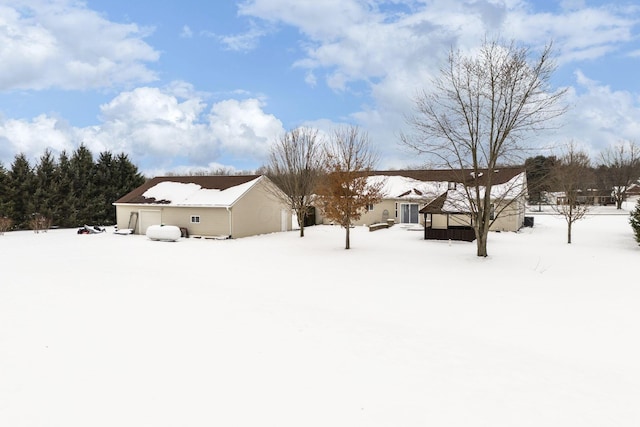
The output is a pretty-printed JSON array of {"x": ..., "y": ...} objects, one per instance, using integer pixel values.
[{"x": 191, "y": 85}]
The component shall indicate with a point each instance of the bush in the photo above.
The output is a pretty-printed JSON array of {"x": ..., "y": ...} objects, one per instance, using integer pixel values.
[
  {"x": 5, "y": 225},
  {"x": 635, "y": 221},
  {"x": 40, "y": 223}
]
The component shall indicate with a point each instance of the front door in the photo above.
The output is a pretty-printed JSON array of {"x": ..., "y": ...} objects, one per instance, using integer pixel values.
[{"x": 409, "y": 213}]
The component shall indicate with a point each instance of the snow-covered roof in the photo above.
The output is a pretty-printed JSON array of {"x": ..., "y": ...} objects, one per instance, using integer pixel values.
[
  {"x": 457, "y": 200},
  {"x": 181, "y": 194},
  {"x": 402, "y": 187},
  {"x": 399, "y": 187},
  {"x": 195, "y": 191}
]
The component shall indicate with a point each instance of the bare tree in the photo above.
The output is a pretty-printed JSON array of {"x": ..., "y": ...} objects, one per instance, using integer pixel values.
[
  {"x": 620, "y": 165},
  {"x": 572, "y": 176},
  {"x": 345, "y": 191},
  {"x": 478, "y": 113},
  {"x": 295, "y": 166}
]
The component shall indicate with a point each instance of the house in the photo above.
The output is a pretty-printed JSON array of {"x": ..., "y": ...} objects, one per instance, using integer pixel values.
[
  {"x": 207, "y": 206},
  {"x": 435, "y": 198}
]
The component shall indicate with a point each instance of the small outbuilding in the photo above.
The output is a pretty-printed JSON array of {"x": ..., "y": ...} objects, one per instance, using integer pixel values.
[{"x": 221, "y": 206}]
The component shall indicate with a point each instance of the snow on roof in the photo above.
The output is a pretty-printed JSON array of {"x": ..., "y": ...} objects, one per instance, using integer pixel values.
[
  {"x": 457, "y": 200},
  {"x": 190, "y": 194},
  {"x": 398, "y": 187}
]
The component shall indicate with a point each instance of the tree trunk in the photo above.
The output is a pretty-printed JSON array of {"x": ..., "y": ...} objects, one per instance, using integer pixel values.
[
  {"x": 347, "y": 244},
  {"x": 300, "y": 218},
  {"x": 481, "y": 242},
  {"x": 569, "y": 223}
]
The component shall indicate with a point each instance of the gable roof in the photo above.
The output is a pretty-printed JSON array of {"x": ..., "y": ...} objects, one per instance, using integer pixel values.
[{"x": 217, "y": 190}]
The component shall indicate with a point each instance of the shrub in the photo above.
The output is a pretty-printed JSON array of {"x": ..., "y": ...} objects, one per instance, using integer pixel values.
[
  {"x": 40, "y": 223},
  {"x": 5, "y": 224}
]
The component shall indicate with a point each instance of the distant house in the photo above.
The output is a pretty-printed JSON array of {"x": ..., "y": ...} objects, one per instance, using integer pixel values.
[
  {"x": 207, "y": 206},
  {"x": 633, "y": 190},
  {"x": 435, "y": 198}
]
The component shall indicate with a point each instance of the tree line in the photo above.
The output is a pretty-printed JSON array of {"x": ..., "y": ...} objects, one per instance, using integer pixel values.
[
  {"x": 67, "y": 191},
  {"x": 581, "y": 181}
]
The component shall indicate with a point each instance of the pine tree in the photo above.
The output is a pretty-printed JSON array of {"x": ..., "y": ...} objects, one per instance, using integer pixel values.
[
  {"x": 126, "y": 176},
  {"x": 4, "y": 192},
  {"x": 82, "y": 185},
  {"x": 21, "y": 190},
  {"x": 634, "y": 220},
  {"x": 65, "y": 212},
  {"x": 105, "y": 189},
  {"x": 45, "y": 195}
]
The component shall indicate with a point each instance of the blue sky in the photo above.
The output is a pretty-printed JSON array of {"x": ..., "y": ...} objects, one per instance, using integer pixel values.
[{"x": 191, "y": 85}]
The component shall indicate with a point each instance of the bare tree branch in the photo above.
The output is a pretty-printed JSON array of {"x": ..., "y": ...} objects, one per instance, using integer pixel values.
[
  {"x": 295, "y": 167},
  {"x": 478, "y": 113}
]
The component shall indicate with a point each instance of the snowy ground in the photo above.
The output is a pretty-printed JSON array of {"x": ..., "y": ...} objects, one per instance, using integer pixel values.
[{"x": 112, "y": 330}]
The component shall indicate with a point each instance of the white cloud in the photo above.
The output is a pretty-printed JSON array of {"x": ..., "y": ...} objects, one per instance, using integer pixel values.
[
  {"x": 600, "y": 116},
  {"x": 243, "y": 128},
  {"x": 78, "y": 47},
  {"x": 33, "y": 137},
  {"x": 186, "y": 32},
  {"x": 395, "y": 48},
  {"x": 245, "y": 41},
  {"x": 159, "y": 128}
]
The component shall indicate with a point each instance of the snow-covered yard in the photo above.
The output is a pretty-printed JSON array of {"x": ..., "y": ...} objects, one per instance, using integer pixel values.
[{"x": 274, "y": 330}]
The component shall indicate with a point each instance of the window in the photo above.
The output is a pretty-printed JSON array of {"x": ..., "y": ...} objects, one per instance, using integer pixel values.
[
  {"x": 195, "y": 219},
  {"x": 370, "y": 207},
  {"x": 492, "y": 213},
  {"x": 452, "y": 185}
]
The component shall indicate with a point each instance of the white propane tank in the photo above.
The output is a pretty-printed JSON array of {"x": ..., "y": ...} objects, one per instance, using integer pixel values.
[{"x": 169, "y": 233}]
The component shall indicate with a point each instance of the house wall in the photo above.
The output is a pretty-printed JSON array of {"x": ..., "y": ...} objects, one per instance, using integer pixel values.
[
  {"x": 259, "y": 212},
  {"x": 443, "y": 221},
  {"x": 377, "y": 214},
  {"x": 511, "y": 218},
  {"x": 213, "y": 221},
  {"x": 122, "y": 216},
  {"x": 439, "y": 221},
  {"x": 459, "y": 220},
  {"x": 146, "y": 215}
]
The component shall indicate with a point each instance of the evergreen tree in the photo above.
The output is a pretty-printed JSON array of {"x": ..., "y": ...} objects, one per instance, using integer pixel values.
[
  {"x": 539, "y": 170},
  {"x": 70, "y": 192},
  {"x": 21, "y": 190},
  {"x": 65, "y": 211},
  {"x": 634, "y": 220},
  {"x": 45, "y": 195},
  {"x": 126, "y": 176},
  {"x": 82, "y": 184},
  {"x": 4, "y": 192},
  {"x": 103, "y": 182}
]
